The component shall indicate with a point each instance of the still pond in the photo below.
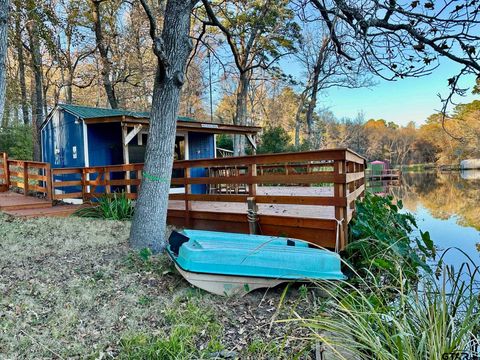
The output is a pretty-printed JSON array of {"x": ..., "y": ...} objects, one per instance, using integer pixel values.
[{"x": 447, "y": 204}]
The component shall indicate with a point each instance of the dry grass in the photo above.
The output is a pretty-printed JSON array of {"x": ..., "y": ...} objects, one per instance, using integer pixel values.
[{"x": 71, "y": 288}]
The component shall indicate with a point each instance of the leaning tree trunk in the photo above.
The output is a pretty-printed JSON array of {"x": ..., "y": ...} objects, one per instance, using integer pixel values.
[
  {"x": 241, "y": 112},
  {"x": 315, "y": 87},
  {"x": 4, "y": 9},
  {"x": 149, "y": 222},
  {"x": 38, "y": 76}
]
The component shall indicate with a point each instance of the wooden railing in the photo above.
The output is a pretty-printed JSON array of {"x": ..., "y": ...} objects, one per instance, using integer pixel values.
[
  {"x": 26, "y": 176},
  {"x": 89, "y": 182},
  {"x": 221, "y": 152},
  {"x": 339, "y": 174}
]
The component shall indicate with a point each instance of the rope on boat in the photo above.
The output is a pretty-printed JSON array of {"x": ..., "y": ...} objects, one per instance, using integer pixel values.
[{"x": 337, "y": 239}]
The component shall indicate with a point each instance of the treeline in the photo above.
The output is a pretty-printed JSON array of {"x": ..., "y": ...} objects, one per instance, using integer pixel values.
[
  {"x": 444, "y": 141},
  {"x": 99, "y": 53}
]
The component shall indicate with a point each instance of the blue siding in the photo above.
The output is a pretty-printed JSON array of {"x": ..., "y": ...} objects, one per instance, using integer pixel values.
[
  {"x": 200, "y": 146},
  {"x": 59, "y": 137},
  {"x": 105, "y": 144},
  {"x": 105, "y": 148},
  {"x": 62, "y": 133}
]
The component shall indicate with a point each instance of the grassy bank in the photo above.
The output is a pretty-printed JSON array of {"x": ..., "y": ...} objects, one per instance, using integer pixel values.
[{"x": 71, "y": 288}]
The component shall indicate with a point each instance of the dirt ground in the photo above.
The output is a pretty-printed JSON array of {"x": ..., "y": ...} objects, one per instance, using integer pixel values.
[{"x": 71, "y": 288}]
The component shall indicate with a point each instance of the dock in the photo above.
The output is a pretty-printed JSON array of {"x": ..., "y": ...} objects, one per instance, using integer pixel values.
[
  {"x": 388, "y": 174},
  {"x": 306, "y": 195}
]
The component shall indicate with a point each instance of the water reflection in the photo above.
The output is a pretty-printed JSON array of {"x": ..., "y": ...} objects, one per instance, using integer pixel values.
[{"x": 446, "y": 204}]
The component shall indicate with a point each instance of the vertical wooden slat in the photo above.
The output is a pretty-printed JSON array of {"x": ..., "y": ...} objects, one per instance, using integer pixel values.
[
  {"x": 6, "y": 170},
  {"x": 25, "y": 178},
  {"x": 48, "y": 182},
  {"x": 106, "y": 177},
  {"x": 252, "y": 187},
  {"x": 340, "y": 190},
  {"x": 84, "y": 183},
  {"x": 186, "y": 176}
]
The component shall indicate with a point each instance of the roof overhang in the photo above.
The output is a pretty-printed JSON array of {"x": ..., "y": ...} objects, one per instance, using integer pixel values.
[{"x": 206, "y": 127}]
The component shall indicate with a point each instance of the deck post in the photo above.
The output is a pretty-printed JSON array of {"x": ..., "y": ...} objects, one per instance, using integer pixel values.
[
  {"x": 252, "y": 187},
  {"x": 188, "y": 205},
  {"x": 84, "y": 184},
  {"x": 106, "y": 179},
  {"x": 340, "y": 191},
  {"x": 6, "y": 171},
  {"x": 25, "y": 178},
  {"x": 48, "y": 181},
  {"x": 252, "y": 216}
]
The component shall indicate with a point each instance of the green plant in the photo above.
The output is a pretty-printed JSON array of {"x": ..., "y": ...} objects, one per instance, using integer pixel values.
[
  {"x": 17, "y": 141},
  {"x": 193, "y": 333},
  {"x": 274, "y": 139},
  {"x": 115, "y": 207},
  {"x": 424, "y": 322},
  {"x": 144, "y": 260},
  {"x": 382, "y": 236}
]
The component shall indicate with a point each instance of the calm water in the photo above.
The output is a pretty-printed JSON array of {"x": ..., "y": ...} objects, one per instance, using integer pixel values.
[{"x": 447, "y": 204}]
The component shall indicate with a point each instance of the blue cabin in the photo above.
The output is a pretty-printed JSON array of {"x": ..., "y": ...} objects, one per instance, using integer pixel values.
[{"x": 82, "y": 136}]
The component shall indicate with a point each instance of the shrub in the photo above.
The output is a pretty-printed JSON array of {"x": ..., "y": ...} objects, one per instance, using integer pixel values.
[
  {"x": 382, "y": 237},
  {"x": 114, "y": 207},
  {"x": 17, "y": 141},
  {"x": 274, "y": 140},
  {"x": 423, "y": 322}
]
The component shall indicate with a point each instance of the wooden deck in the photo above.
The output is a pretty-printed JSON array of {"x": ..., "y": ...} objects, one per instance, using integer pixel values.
[
  {"x": 18, "y": 205},
  {"x": 307, "y": 195}
]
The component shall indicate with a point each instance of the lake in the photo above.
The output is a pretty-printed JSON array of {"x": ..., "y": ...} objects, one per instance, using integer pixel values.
[{"x": 446, "y": 204}]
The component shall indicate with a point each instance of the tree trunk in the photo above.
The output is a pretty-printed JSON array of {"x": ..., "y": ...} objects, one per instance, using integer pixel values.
[
  {"x": 298, "y": 116},
  {"x": 312, "y": 103},
  {"x": 37, "y": 117},
  {"x": 149, "y": 222},
  {"x": 102, "y": 49},
  {"x": 241, "y": 111},
  {"x": 21, "y": 63},
  {"x": 4, "y": 10}
]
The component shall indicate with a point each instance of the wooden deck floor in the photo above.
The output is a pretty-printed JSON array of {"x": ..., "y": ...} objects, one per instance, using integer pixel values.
[
  {"x": 29, "y": 206},
  {"x": 303, "y": 211},
  {"x": 19, "y": 205}
]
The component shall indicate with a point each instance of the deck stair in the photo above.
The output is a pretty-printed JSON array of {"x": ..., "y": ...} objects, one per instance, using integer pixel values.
[{"x": 18, "y": 205}]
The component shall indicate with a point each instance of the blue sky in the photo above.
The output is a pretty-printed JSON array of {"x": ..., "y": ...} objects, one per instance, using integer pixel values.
[{"x": 402, "y": 101}]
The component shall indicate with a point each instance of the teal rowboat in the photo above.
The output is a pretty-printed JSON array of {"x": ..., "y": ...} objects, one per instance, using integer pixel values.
[{"x": 229, "y": 263}]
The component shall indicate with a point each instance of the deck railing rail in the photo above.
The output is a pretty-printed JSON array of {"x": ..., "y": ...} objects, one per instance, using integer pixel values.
[{"x": 26, "y": 176}]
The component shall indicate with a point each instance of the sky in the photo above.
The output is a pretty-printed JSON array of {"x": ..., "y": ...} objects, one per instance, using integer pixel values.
[{"x": 401, "y": 101}]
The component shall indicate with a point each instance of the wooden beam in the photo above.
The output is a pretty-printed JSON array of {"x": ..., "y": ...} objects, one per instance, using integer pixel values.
[
  {"x": 130, "y": 135},
  {"x": 251, "y": 140}
]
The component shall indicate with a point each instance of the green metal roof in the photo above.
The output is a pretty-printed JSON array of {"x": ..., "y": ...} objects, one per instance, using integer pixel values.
[{"x": 90, "y": 112}]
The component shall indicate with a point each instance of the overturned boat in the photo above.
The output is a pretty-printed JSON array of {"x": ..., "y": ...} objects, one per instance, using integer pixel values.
[{"x": 228, "y": 263}]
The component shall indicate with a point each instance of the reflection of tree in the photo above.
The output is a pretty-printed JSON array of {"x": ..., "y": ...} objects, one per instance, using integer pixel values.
[{"x": 443, "y": 194}]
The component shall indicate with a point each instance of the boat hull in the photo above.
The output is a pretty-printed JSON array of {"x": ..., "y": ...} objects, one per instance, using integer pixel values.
[
  {"x": 227, "y": 285},
  {"x": 228, "y": 264}
]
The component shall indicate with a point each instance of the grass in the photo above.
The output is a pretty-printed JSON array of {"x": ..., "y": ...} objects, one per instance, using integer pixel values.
[
  {"x": 193, "y": 332},
  {"x": 72, "y": 288},
  {"x": 399, "y": 322}
]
